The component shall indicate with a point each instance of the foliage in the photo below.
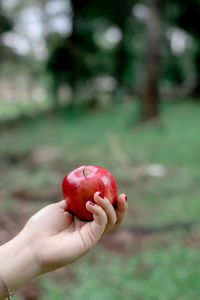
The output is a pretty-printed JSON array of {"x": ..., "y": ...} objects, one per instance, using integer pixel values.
[
  {"x": 5, "y": 22},
  {"x": 38, "y": 146},
  {"x": 166, "y": 266},
  {"x": 106, "y": 40}
]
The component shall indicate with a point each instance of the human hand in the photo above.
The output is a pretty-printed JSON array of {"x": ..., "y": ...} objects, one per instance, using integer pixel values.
[
  {"x": 53, "y": 238},
  {"x": 58, "y": 238}
]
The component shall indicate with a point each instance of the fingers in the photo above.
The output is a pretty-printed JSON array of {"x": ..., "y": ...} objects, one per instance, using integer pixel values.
[
  {"x": 107, "y": 206},
  {"x": 98, "y": 212},
  {"x": 100, "y": 219},
  {"x": 121, "y": 209},
  {"x": 105, "y": 218},
  {"x": 109, "y": 210},
  {"x": 114, "y": 217}
]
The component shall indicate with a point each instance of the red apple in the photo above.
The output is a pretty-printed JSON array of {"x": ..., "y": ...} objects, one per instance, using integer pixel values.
[{"x": 80, "y": 185}]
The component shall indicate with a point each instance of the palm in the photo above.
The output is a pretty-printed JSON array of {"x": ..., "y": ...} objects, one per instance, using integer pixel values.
[
  {"x": 68, "y": 245},
  {"x": 61, "y": 237}
]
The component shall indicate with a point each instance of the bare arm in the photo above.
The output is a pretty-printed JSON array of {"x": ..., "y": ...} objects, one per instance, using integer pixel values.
[{"x": 53, "y": 238}]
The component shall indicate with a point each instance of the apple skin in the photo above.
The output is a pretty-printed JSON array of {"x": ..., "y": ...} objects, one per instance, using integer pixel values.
[{"x": 79, "y": 186}]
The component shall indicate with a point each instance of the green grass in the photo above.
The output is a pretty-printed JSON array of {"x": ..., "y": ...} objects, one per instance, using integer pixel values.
[
  {"x": 12, "y": 110},
  {"x": 115, "y": 140},
  {"x": 157, "y": 273}
]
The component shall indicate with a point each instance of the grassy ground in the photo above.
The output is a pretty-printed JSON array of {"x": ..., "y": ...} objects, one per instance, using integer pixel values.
[{"x": 156, "y": 253}]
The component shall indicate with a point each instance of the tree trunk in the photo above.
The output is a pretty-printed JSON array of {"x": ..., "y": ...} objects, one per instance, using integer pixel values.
[
  {"x": 150, "y": 108},
  {"x": 196, "y": 91}
]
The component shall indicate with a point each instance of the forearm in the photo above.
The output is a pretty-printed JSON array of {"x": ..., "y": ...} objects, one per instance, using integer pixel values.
[{"x": 18, "y": 264}]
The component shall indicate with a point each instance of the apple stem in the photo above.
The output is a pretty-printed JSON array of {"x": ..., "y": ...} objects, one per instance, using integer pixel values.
[{"x": 85, "y": 172}]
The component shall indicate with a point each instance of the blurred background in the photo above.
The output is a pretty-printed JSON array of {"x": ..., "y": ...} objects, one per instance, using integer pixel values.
[{"x": 115, "y": 84}]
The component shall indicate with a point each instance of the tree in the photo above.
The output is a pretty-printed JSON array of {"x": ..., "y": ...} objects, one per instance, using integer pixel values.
[
  {"x": 120, "y": 16},
  {"x": 150, "y": 108},
  {"x": 5, "y": 25},
  {"x": 189, "y": 20},
  {"x": 78, "y": 58},
  {"x": 68, "y": 61},
  {"x": 5, "y": 22}
]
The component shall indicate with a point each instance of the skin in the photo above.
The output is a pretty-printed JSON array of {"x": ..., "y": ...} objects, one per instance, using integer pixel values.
[{"x": 53, "y": 238}]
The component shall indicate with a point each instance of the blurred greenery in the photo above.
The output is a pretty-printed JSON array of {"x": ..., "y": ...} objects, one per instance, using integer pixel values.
[
  {"x": 72, "y": 52},
  {"x": 77, "y": 79},
  {"x": 160, "y": 273},
  {"x": 169, "y": 267}
]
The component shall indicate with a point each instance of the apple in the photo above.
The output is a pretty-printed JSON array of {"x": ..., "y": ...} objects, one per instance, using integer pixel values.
[{"x": 79, "y": 186}]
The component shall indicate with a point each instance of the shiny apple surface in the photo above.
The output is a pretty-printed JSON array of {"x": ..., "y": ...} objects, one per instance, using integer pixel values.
[{"x": 79, "y": 186}]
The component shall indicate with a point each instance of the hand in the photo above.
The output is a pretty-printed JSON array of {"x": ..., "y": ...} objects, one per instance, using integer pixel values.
[
  {"x": 59, "y": 238},
  {"x": 116, "y": 216},
  {"x": 53, "y": 238}
]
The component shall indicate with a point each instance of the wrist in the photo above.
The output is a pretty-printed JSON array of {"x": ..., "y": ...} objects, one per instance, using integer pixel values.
[{"x": 18, "y": 262}]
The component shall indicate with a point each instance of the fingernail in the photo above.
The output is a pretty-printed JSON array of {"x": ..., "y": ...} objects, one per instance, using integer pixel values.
[
  {"x": 125, "y": 197},
  {"x": 101, "y": 195},
  {"x": 92, "y": 203}
]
